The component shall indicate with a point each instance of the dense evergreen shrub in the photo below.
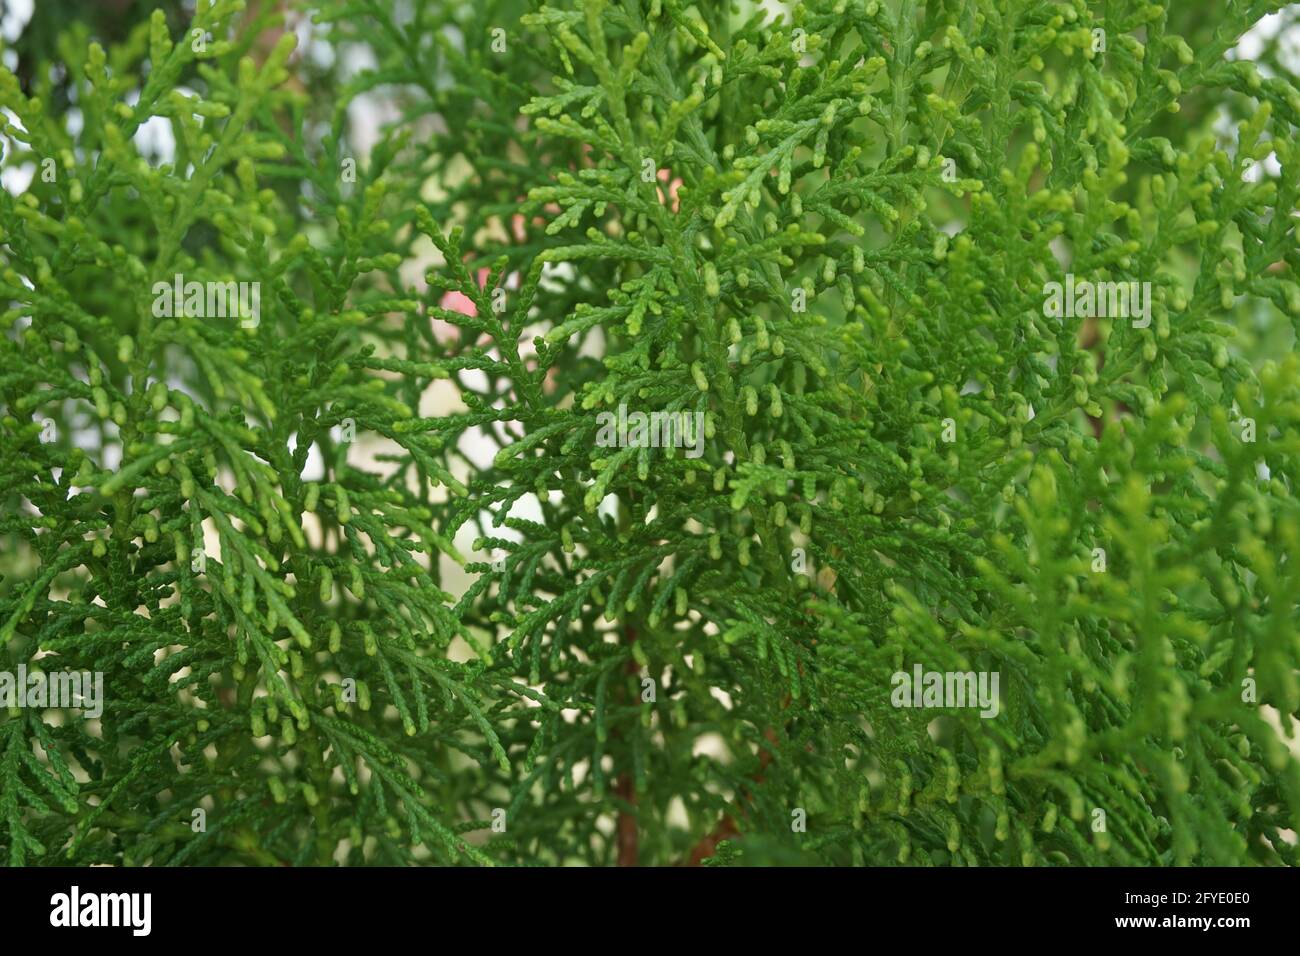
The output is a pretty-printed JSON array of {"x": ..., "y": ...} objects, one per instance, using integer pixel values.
[{"x": 375, "y": 556}]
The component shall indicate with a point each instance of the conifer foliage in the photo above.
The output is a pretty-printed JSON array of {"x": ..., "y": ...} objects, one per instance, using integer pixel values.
[{"x": 811, "y": 348}]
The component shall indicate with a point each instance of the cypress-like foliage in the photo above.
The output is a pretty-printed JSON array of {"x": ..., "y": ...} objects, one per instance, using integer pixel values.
[{"x": 788, "y": 358}]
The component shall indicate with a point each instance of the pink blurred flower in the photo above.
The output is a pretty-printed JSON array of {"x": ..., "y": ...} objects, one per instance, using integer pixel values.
[
  {"x": 455, "y": 301},
  {"x": 519, "y": 226},
  {"x": 670, "y": 199}
]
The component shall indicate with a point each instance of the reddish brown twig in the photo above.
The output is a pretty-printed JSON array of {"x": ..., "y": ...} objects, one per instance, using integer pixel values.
[
  {"x": 708, "y": 845},
  {"x": 625, "y": 788},
  {"x": 628, "y": 840},
  {"x": 726, "y": 828}
]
